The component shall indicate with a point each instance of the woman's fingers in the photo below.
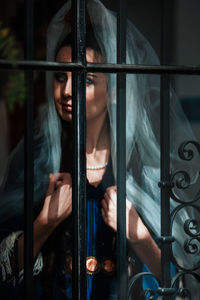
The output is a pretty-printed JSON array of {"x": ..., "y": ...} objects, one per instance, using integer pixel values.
[
  {"x": 111, "y": 192},
  {"x": 63, "y": 177},
  {"x": 110, "y": 197},
  {"x": 104, "y": 204},
  {"x": 109, "y": 207},
  {"x": 58, "y": 200},
  {"x": 103, "y": 214},
  {"x": 51, "y": 185},
  {"x": 58, "y": 183}
]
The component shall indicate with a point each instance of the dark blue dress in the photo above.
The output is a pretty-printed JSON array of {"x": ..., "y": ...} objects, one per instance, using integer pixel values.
[
  {"x": 101, "y": 285},
  {"x": 100, "y": 244}
]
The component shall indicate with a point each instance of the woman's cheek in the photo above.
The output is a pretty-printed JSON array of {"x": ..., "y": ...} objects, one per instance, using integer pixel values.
[{"x": 90, "y": 93}]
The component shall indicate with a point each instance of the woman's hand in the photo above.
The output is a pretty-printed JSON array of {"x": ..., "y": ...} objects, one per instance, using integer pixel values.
[
  {"x": 57, "y": 207},
  {"x": 58, "y": 200},
  {"x": 136, "y": 231}
]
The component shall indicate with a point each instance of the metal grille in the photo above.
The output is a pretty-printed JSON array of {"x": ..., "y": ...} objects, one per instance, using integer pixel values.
[{"x": 79, "y": 69}]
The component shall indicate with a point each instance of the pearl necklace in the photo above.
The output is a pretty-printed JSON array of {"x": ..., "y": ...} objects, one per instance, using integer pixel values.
[{"x": 97, "y": 167}]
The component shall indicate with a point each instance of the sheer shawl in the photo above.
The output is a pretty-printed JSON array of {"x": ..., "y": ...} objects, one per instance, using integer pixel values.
[{"x": 142, "y": 130}]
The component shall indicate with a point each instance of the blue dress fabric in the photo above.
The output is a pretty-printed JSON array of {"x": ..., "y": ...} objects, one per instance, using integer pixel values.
[{"x": 100, "y": 244}]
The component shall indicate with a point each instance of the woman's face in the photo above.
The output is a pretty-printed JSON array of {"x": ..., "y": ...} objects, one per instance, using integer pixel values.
[{"x": 96, "y": 88}]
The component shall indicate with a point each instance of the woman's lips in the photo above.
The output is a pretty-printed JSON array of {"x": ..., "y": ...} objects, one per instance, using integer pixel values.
[{"x": 67, "y": 107}]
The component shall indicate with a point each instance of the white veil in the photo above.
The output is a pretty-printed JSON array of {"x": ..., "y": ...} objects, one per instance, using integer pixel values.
[
  {"x": 142, "y": 124},
  {"x": 142, "y": 119}
]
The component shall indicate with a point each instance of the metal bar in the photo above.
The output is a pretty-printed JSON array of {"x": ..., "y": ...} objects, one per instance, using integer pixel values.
[
  {"x": 165, "y": 156},
  {"x": 40, "y": 65},
  {"x": 101, "y": 68},
  {"x": 79, "y": 176},
  {"x": 121, "y": 154},
  {"x": 28, "y": 158},
  {"x": 165, "y": 161}
]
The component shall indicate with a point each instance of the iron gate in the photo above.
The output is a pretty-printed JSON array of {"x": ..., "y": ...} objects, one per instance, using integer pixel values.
[{"x": 79, "y": 69}]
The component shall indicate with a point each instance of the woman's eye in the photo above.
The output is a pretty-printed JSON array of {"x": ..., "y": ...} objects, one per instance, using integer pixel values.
[
  {"x": 60, "y": 77},
  {"x": 89, "y": 81}
]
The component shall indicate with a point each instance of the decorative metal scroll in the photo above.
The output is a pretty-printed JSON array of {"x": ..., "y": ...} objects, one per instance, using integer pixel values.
[
  {"x": 178, "y": 282},
  {"x": 157, "y": 293},
  {"x": 148, "y": 294},
  {"x": 181, "y": 180},
  {"x": 188, "y": 212}
]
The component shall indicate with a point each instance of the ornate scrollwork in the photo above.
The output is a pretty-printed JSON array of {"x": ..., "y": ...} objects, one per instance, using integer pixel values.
[
  {"x": 148, "y": 293},
  {"x": 190, "y": 246},
  {"x": 181, "y": 180},
  {"x": 183, "y": 292},
  {"x": 183, "y": 187},
  {"x": 191, "y": 227},
  {"x": 191, "y": 232},
  {"x": 188, "y": 154}
]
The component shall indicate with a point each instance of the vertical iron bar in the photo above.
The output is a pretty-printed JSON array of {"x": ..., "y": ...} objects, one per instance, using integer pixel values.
[
  {"x": 79, "y": 176},
  {"x": 121, "y": 154},
  {"x": 28, "y": 156},
  {"x": 165, "y": 152}
]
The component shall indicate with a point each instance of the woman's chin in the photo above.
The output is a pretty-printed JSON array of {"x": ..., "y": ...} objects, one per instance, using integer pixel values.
[{"x": 66, "y": 116}]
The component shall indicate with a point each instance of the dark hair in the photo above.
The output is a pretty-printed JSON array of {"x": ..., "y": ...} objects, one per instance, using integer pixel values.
[{"x": 91, "y": 41}]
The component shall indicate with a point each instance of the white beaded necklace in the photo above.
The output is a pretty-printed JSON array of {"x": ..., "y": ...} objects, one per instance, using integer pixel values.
[{"x": 97, "y": 167}]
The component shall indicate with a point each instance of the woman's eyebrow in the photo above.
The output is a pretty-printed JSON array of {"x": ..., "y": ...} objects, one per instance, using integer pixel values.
[{"x": 92, "y": 74}]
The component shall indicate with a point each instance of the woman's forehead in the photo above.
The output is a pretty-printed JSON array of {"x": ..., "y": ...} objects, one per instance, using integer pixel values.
[
  {"x": 93, "y": 56},
  {"x": 65, "y": 55}
]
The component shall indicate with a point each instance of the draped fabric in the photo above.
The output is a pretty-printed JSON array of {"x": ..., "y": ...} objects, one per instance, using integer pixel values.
[{"x": 142, "y": 124}]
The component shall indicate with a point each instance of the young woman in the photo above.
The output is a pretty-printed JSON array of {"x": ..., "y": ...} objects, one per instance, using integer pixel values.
[{"x": 52, "y": 166}]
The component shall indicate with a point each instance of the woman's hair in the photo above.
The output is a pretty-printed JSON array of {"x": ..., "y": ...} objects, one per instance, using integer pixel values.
[{"x": 91, "y": 41}]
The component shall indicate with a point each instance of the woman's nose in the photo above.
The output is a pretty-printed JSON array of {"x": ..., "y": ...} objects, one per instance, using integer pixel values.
[{"x": 67, "y": 90}]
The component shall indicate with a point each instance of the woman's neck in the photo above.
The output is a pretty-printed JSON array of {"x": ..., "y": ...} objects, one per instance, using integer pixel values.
[
  {"x": 97, "y": 134},
  {"x": 97, "y": 140},
  {"x": 97, "y": 149}
]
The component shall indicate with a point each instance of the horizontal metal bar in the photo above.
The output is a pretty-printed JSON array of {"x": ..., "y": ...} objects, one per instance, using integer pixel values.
[
  {"x": 103, "y": 68},
  {"x": 166, "y": 239},
  {"x": 166, "y": 291},
  {"x": 39, "y": 65},
  {"x": 143, "y": 69}
]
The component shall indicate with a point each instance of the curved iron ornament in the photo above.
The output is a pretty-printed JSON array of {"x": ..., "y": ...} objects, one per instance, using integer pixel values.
[
  {"x": 149, "y": 294},
  {"x": 191, "y": 229},
  {"x": 183, "y": 292},
  {"x": 160, "y": 293},
  {"x": 188, "y": 154},
  {"x": 181, "y": 179}
]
